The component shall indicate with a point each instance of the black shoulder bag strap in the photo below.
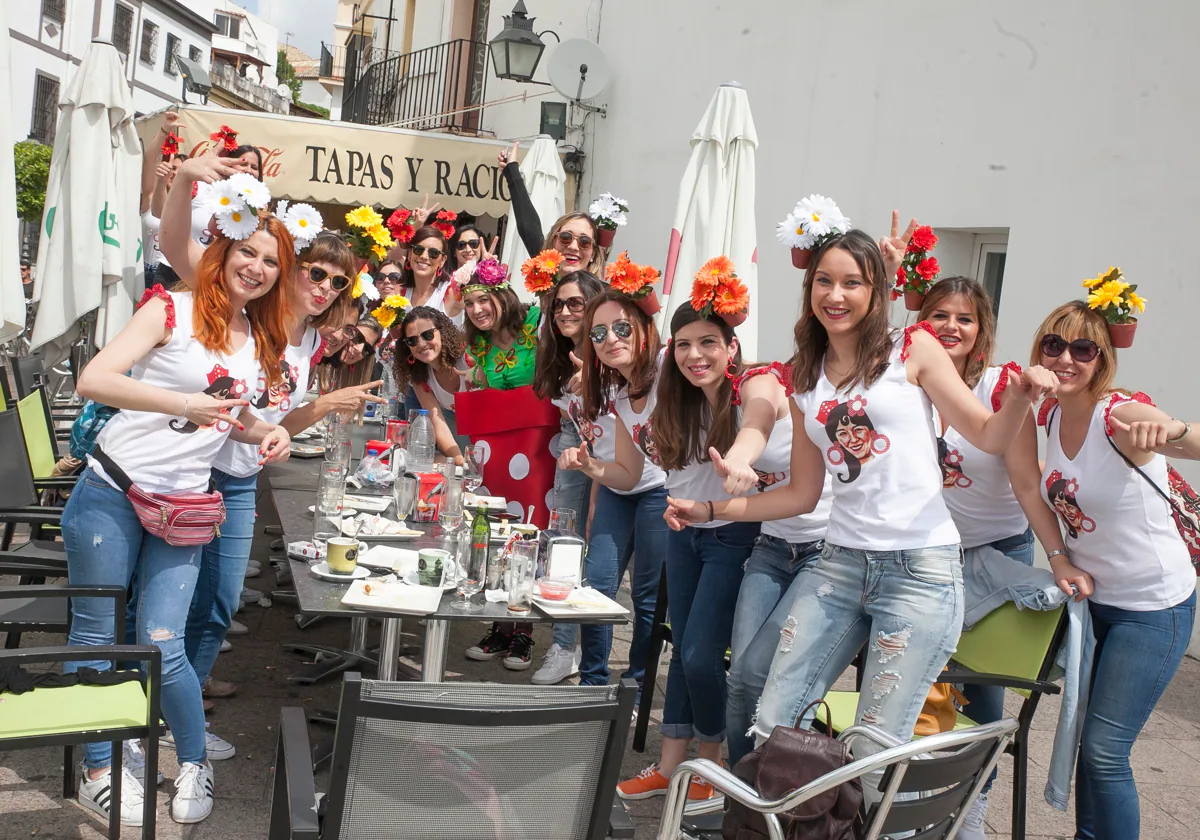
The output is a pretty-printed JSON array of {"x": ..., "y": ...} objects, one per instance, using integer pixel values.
[
  {"x": 1139, "y": 471},
  {"x": 114, "y": 472}
]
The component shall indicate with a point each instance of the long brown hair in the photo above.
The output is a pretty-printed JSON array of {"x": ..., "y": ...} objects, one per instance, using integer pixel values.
[
  {"x": 985, "y": 341},
  {"x": 685, "y": 423},
  {"x": 599, "y": 382},
  {"x": 554, "y": 367},
  {"x": 329, "y": 247},
  {"x": 511, "y": 316},
  {"x": 213, "y": 312},
  {"x": 407, "y": 367},
  {"x": 1075, "y": 320},
  {"x": 875, "y": 337},
  {"x": 596, "y": 266}
]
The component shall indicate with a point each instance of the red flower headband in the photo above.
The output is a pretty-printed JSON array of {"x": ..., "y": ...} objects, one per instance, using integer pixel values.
[
  {"x": 170, "y": 146},
  {"x": 226, "y": 136}
]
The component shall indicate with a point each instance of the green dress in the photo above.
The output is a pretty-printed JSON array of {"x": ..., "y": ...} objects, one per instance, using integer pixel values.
[{"x": 511, "y": 368}]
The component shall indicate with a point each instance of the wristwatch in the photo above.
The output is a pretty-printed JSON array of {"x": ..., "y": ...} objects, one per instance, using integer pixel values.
[
  {"x": 1056, "y": 552},
  {"x": 1187, "y": 429}
]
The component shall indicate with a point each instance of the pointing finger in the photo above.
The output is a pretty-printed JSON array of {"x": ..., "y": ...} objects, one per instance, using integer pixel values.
[
  {"x": 895, "y": 223},
  {"x": 909, "y": 231},
  {"x": 575, "y": 360}
]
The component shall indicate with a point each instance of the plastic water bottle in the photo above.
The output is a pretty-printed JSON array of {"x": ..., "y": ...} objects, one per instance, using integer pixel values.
[{"x": 421, "y": 445}]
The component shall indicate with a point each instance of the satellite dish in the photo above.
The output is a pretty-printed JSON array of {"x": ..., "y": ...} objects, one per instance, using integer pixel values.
[
  {"x": 579, "y": 69},
  {"x": 284, "y": 91}
]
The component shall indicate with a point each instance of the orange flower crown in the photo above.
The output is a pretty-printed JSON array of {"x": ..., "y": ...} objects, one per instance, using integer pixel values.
[
  {"x": 716, "y": 290},
  {"x": 629, "y": 278},
  {"x": 541, "y": 271}
]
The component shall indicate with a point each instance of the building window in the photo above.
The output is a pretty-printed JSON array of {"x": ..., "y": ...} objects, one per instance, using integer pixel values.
[
  {"x": 228, "y": 25},
  {"x": 149, "y": 42},
  {"x": 122, "y": 31},
  {"x": 55, "y": 10},
  {"x": 173, "y": 44},
  {"x": 45, "y": 109},
  {"x": 194, "y": 54}
]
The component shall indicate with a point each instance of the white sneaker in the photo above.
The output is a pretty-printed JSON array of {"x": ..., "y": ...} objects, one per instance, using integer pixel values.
[
  {"x": 95, "y": 795},
  {"x": 218, "y": 748},
  {"x": 972, "y": 827},
  {"x": 134, "y": 757},
  {"x": 236, "y": 628},
  {"x": 559, "y": 664},
  {"x": 226, "y": 646},
  {"x": 193, "y": 793}
]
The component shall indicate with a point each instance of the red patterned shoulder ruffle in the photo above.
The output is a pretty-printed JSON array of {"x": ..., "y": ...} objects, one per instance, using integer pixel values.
[
  {"x": 1117, "y": 399},
  {"x": 1048, "y": 405},
  {"x": 157, "y": 291},
  {"x": 908, "y": 331},
  {"x": 780, "y": 371},
  {"x": 1002, "y": 383},
  {"x": 317, "y": 356}
]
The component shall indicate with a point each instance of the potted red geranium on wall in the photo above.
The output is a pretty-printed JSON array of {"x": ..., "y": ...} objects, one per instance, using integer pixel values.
[{"x": 918, "y": 270}]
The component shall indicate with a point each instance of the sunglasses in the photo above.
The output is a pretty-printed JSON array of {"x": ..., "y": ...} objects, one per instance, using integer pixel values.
[
  {"x": 393, "y": 277},
  {"x": 419, "y": 251},
  {"x": 414, "y": 340},
  {"x": 1082, "y": 349},
  {"x": 565, "y": 237},
  {"x": 317, "y": 275},
  {"x": 599, "y": 333},
  {"x": 571, "y": 304},
  {"x": 464, "y": 244}
]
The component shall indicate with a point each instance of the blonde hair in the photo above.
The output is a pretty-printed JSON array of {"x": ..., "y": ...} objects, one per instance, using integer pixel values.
[{"x": 1075, "y": 320}]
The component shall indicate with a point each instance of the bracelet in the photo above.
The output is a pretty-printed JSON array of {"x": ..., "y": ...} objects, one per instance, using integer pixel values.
[
  {"x": 1187, "y": 429},
  {"x": 1057, "y": 552},
  {"x": 710, "y": 512},
  {"x": 185, "y": 406}
]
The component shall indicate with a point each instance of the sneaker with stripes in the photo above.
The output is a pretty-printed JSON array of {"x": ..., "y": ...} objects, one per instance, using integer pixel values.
[
  {"x": 193, "y": 800},
  {"x": 95, "y": 795},
  {"x": 134, "y": 758}
]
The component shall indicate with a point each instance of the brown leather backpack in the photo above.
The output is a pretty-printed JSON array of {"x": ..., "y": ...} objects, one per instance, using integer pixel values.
[{"x": 790, "y": 759}]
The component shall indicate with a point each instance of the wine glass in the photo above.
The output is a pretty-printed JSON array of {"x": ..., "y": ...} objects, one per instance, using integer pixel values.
[
  {"x": 404, "y": 493},
  {"x": 472, "y": 468}
]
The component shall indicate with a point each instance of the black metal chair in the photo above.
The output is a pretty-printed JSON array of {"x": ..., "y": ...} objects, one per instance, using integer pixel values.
[
  {"x": 19, "y": 497},
  {"x": 451, "y": 760},
  {"x": 939, "y": 777},
  {"x": 37, "y": 615},
  {"x": 46, "y": 717}
]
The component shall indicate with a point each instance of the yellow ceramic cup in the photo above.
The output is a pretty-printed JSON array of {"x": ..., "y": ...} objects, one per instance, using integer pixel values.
[{"x": 342, "y": 555}]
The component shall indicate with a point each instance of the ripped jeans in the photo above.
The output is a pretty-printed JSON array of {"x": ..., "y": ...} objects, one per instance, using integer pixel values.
[
  {"x": 105, "y": 541},
  {"x": 906, "y": 605}
]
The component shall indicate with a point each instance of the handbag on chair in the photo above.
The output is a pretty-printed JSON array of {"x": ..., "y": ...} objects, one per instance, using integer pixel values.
[{"x": 789, "y": 759}]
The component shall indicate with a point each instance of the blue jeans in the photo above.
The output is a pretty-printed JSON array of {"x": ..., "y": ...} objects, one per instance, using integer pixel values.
[
  {"x": 1137, "y": 654},
  {"x": 907, "y": 606},
  {"x": 105, "y": 541},
  {"x": 572, "y": 489},
  {"x": 762, "y": 611},
  {"x": 985, "y": 703},
  {"x": 222, "y": 573},
  {"x": 624, "y": 527},
  {"x": 704, "y": 573}
]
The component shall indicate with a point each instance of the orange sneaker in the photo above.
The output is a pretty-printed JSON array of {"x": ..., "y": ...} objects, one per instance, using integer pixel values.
[{"x": 650, "y": 782}]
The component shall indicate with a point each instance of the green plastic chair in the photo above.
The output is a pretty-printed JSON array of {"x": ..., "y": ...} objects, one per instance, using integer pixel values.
[
  {"x": 39, "y": 437},
  {"x": 1010, "y": 647},
  {"x": 46, "y": 717}
]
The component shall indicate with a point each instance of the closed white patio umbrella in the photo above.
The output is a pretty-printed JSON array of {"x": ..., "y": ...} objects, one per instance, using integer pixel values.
[
  {"x": 12, "y": 297},
  {"x": 546, "y": 181},
  {"x": 91, "y": 254},
  {"x": 715, "y": 213}
]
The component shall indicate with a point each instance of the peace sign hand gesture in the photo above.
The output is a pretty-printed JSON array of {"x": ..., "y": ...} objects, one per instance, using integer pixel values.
[
  {"x": 420, "y": 214},
  {"x": 507, "y": 156},
  {"x": 893, "y": 247}
]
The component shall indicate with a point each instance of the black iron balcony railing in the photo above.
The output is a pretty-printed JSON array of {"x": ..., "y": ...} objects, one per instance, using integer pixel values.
[{"x": 437, "y": 88}]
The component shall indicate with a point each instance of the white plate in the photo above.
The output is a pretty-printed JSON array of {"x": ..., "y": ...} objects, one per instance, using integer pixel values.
[
  {"x": 389, "y": 558},
  {"x": 302, "y": 436},
  {"x": 304, "y": 450},
  {"x": 321, "y": 570},
  {"x": 350, "y": 529},
  {"x": 580, "y": 602},
  {"x": 346, "y": 511}
]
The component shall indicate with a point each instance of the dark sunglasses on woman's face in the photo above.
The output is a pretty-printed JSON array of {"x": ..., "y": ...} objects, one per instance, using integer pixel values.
[
  {"x": 565, "y": 237},
  {"x": 414, "y": 340},
  {"x": 599, "y": 333},
  {"x": 393, "y": 277},
  {"x": 419, "y": 251},
  {"x": 1082, "y": 349},
  {"x": 464, "y": 244},
  {"x": 317, "y": 275},
  {"x": 571, "y": 304}
]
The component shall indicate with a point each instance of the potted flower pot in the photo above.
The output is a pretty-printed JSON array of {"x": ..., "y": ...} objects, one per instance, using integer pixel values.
[
  {"x": 1122, "y": 334},
  {"x": 604, "y": 237},
  {"x": 913, "y": 300},
  {"x": 362, "y": 264},
  {"x": 649, "y": 303},
  {"x": 736, "y": 319},
  {"x": 801, "y": 257}
]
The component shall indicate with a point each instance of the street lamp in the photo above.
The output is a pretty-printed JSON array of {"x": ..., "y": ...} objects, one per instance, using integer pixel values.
[{"x": 517, "y": 50}]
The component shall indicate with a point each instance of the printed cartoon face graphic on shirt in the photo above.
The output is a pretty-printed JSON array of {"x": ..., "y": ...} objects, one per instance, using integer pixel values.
[
  {"x": 853, "y": 435},
  {"x": 590, "y": 432},
  {"x": 768, "y": 480},
  {"x": 1061, "y": 493},
  {"x": 221, "y": 386},
  {"x": 951, "y": 463},
  {"x": 278, "y": 396},
  {"x": 643, "y": 436}
]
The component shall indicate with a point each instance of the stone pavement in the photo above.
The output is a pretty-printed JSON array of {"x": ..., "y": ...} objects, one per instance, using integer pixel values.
[{"x": 1166, "y": 759}]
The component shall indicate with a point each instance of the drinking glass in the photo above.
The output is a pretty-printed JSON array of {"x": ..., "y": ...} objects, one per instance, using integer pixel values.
[
  {"x": 520, "y": 573},
  {"x": 562, "y": 519},
  {"x": 404, "y": 493},
  {"x": 327, "y": 519},
  {"x": 472, "y": 468},
  {"x": 471, "y": 572}
]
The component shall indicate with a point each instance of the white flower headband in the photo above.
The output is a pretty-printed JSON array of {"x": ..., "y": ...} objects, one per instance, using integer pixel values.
[{"x": 236, "y": 203}]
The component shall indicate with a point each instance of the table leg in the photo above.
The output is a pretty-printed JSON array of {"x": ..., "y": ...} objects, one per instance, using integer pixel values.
[
  {"x": 433, "y": 660},
  {"x": 390, "y": 650}
]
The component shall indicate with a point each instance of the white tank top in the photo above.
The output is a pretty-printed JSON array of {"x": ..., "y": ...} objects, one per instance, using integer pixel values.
[
  {"x": 879, "y": 444},
  {"x": 202, "y": 215},
  {"x": 272, "y": 405},
  {"x": 637, "y": 424},
  {"x": 775, "y": 464},
  {"x": 977, "y": 489},
  {"x": 444, "y": 398},
  {"x": 1119, "y": 529},
  {"x": 437, "y": 300},
  {"x": 165, "y": 454},
  {"x": 153, "y": 254}
]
